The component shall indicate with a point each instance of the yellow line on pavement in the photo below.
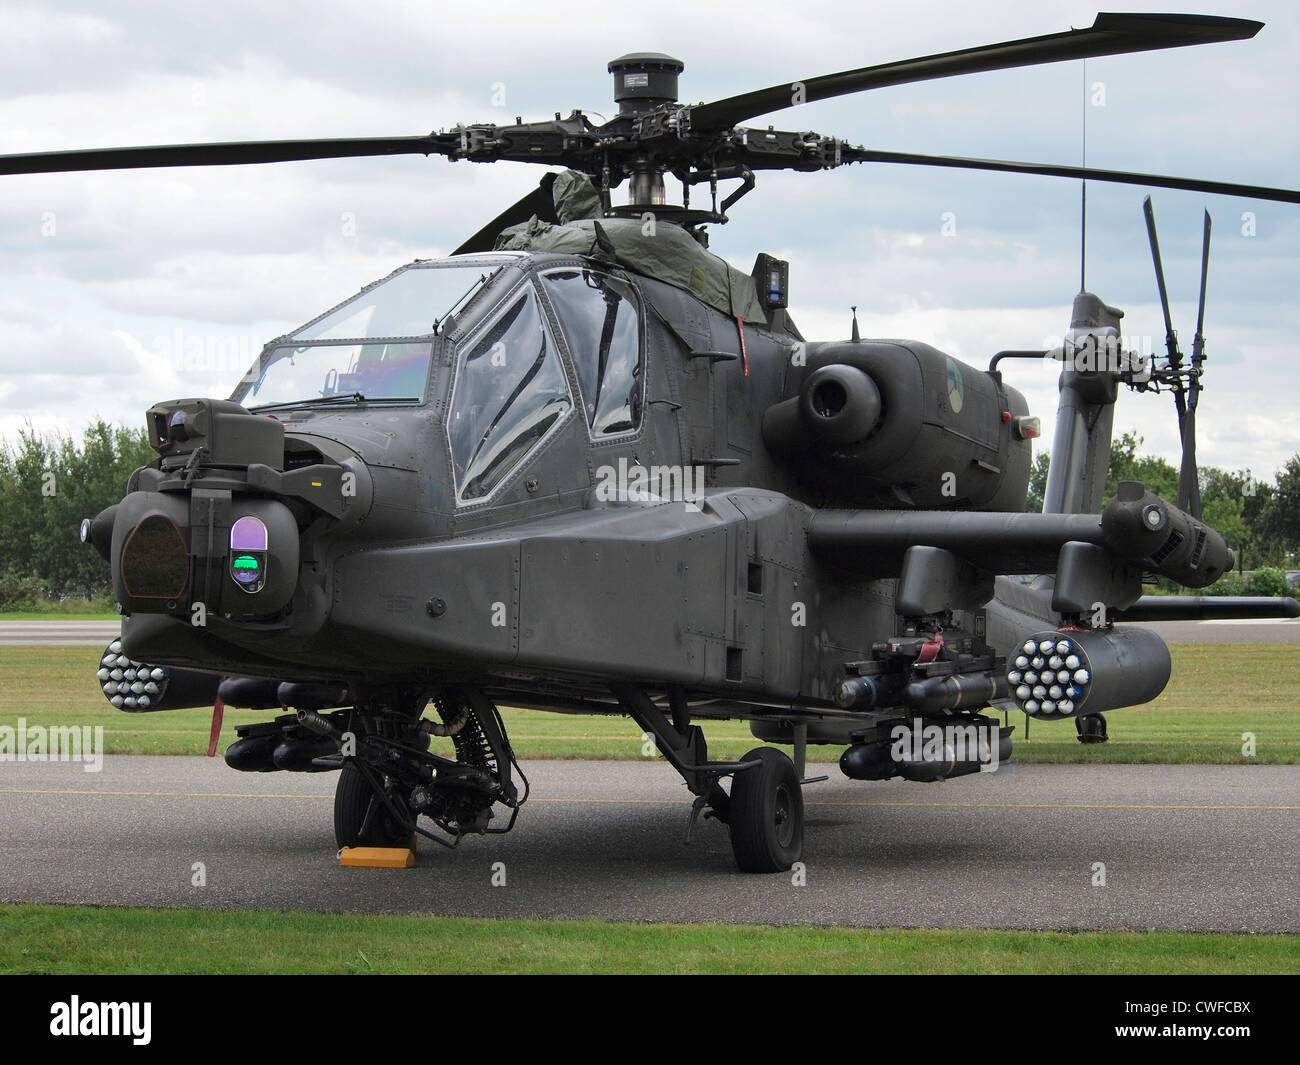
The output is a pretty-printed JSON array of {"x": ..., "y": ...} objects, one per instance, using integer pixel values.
[
  {"x": 662, "y": 802},
  {"x": 158, "y": 794},
  {"x": 1066, "y": 805}
]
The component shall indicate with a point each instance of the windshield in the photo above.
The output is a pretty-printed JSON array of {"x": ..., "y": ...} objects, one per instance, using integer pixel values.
[
  {"x": 413, "y": 302},
  {"x": 391, "y": 370},
  {"x": 366, "y": 347}
]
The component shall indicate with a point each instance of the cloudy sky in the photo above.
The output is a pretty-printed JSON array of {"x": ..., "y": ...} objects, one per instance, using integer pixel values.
[{"x": 107, "y": 280}]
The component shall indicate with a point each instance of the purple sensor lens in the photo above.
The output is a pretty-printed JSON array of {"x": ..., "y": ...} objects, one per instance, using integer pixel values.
[{"x": 248, "y": 534}]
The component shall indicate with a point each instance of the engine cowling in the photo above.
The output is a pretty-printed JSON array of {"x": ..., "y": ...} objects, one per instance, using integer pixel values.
[{"x": 901, "y": 424}]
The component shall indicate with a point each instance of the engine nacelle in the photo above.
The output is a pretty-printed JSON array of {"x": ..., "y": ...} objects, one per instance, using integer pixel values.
[{"x": 901, "y": 424}]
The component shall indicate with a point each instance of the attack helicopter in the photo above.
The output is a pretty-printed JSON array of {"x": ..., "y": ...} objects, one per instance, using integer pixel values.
[{"x": 583, "y": 465}]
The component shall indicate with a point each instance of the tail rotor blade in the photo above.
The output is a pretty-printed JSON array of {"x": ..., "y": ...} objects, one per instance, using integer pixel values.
[
  {"x": 1171, "y": 342},
  {"x": 1171, "y": 339},
  {"x": 1198, "y": 344},
  {"x": 1189, "y": 491},
  {"x": 1189, "y": 496}
]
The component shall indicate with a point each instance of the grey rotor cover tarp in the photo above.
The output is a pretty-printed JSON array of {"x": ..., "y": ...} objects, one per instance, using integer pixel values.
[
  {"x": 670, "y": 255},
  {"x": 575, "y": 197}
]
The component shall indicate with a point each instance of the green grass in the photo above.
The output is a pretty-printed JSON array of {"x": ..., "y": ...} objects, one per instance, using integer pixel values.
[
  {"x": 63, "y": 610},
  {"x": 82, "y": 939},
  {"x": 1218, "y": 692}
]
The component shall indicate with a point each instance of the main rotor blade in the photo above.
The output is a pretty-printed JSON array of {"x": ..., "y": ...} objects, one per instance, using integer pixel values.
[
  {"x": 1172, "y": 344},
  {"x": 539, "y": 202},
  {"x": 1110, "y": 34},
  {"x": 1122, "y": 177},
  {"x": 236, "y": 153}
]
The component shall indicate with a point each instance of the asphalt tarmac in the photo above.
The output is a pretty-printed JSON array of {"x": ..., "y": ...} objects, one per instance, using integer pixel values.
[
  {"x": 58, "y": 633},
  {"x": 100, "y": 633},
  {"x": 1204, "y": 848}
]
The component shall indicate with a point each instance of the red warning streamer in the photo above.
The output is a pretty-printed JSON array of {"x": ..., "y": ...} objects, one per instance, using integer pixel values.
[
  {"x": 218, "y": 712},
  {"x": 930, "y": 649},
  {"x": 744, "y": 348}
]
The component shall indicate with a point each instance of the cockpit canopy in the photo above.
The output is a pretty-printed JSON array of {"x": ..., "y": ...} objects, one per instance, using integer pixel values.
[
  {"x": 377, "y": 345},
  {"x": 511, "y": 387}
]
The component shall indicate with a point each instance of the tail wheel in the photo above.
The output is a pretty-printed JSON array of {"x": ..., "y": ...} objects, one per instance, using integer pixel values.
[
  {"x": 1091, "y": 728},
  {"x": 354, "y": 801},
  {"x": 766, "y": 813}
]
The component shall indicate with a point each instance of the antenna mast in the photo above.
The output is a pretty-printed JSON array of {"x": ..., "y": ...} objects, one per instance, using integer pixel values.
[{"x": 1083, "y": 191}]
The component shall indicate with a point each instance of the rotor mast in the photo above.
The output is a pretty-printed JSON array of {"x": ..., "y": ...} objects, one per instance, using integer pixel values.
[{"x": 645, "y": 82}]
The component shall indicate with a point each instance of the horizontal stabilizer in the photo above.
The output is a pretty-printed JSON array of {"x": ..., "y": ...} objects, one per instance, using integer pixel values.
[{"x": 1209, "y": 608}]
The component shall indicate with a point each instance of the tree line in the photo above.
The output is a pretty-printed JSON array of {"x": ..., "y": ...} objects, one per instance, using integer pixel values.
[{"x": 47, "y": 485}]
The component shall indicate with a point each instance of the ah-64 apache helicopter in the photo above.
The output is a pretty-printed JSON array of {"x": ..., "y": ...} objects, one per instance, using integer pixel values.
[{"x": 584, "y": 465}]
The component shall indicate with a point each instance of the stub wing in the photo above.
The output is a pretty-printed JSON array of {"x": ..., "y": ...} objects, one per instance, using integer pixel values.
[{"x": 947, "y": 560}]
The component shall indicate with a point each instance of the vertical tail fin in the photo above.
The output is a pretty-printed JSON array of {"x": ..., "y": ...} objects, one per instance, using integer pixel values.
[{"x": 1089, "y": 386}]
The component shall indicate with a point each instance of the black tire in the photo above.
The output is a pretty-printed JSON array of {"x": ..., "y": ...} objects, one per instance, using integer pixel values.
[
  {"x": 352, "y": 800},
  {"x": 1091, "y": 728},
  {"x": 766, "y": 813}
]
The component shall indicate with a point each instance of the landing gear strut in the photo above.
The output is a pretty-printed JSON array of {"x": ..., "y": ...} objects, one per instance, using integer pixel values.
[
  {"x": 765, "y": 808},
  {"x": 388, "y": 779}
]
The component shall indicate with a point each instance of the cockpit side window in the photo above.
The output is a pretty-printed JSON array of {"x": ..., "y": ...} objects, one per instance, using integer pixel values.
[
  {"x": 510, "y": 392},
  {"x": 602, "y": 323}
]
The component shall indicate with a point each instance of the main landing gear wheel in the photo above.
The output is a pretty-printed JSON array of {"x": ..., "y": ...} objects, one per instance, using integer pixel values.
[
  {"x": 353, "y": 799},
  {"x": 766, "y": 813}
]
